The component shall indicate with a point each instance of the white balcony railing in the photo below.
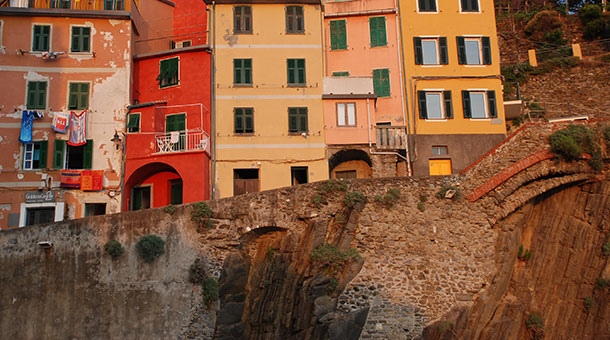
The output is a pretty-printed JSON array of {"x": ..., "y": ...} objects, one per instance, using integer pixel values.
[
  {"x": 182, "y": 141},
  {"x": 391, "y": 137}
]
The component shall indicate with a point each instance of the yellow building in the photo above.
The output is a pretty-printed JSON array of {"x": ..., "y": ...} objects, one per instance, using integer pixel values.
[
  {"x": 268, "y": 120},
  {"x": 453, "y": 84}
]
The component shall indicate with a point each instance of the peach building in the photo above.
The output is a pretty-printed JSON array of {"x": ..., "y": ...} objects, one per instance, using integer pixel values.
[{"x": 365, "y": 128}]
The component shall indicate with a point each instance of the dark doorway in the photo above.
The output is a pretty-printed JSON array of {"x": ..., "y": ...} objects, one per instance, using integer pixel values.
[
  {"x": 93, "y": 209},
  {"x": 40, "y": 215},
  {"x": 299, "y": 175},
  {"x": 245, "y": 181},
  {"x": 140, "y": 198},
  {"x": 175, "y": 191}
]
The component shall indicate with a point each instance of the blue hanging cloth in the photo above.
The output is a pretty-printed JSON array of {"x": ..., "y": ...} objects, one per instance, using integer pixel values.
[{"x": 26, "y": 127}]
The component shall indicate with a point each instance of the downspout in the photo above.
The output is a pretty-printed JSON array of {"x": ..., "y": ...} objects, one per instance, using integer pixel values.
[
  {"x": 405, "y": 113},
  {"x": 213, "y": 105},
  {"x": 124, "y": 150},
  {"x": 368, "y": 120}
]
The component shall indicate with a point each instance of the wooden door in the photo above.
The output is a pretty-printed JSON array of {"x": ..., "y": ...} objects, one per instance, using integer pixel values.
[{"x": 440, "y": 167}]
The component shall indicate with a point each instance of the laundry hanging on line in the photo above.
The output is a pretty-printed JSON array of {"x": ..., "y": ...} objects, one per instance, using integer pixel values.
[
  {"x": 27, "y": 120},
  {"x": 61, "y": 122},
  {"x": 78, "y": 128}
]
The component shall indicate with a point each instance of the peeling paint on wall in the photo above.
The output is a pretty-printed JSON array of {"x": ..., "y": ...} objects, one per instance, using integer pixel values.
[
  {"x": 114, "y": 22},
  {"x": 17, "y": 160},
  {"x": 5, "y": 207},
  {"x": 34, "y": 76}
]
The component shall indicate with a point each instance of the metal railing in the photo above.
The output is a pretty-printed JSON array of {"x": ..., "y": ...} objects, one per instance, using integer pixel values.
[
  {"x": 391, "y": 137},
  {"x": 158, "y": 44},
  {"x": 69, "y": 4},
  {"x": 182, "y": 141}
]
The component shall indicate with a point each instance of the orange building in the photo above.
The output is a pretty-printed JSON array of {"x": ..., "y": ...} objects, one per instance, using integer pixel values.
[{"x": 365, "y": 127}]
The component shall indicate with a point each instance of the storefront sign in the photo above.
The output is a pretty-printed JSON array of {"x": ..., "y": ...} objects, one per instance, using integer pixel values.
[{"x": 39, "y": 196}]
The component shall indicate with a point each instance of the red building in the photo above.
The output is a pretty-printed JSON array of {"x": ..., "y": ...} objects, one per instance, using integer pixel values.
[{"x": 167, "y": 140}]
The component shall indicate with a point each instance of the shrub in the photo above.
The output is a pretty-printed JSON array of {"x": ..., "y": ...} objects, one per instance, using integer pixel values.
[
  {"x": 542, "y": 22},
  {"x": 421, "y": 206},
  {"x": 317, "y": 200},
  {"x": 352, "y": 198},
  {"x": 270, "y": 253},
  {"x": 209, "y": 291},
  {"x": 594, "y": 29},
  {"x": 389, "y": 199},
  {"x": 589, "y": 303},
  {"x": 601, "y": 283},
  {"x": 535, "y": 324},
  {"x": 197, "y": 272},
  {"x": 332, "y": 258},
  {"x": 442, "y": 191},
  {"x": 169, "y": 209},
  {"x": 606, "y": 248},
  {"x": 554, "y": 38},
  {"x": 331, "y": 186},
  {"x": 150, "y": 247},
  {"x": 589, "y": 12},
  {"x": 201, "y": 214},
  {"x": 571, "y": 142},
  {"x": 114, "y": 249},
  {"x": 606, "y": 130},
  {"x": 524, "y": 254},
  {"x": 445, "y": 326}
]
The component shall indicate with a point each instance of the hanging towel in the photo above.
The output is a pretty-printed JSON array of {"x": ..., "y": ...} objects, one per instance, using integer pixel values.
[
  {"x": 174, "y": 137},
  {"x": 61, "y": 121},
  {"x": 38, "y": 114},
  {"x": 78, "y": 128},
  {"x": 70, "y": 179},
  {"x": 27, "y": 119}
]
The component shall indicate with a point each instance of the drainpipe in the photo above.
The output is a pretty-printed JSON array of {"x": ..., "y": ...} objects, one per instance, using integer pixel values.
[
  {"x": 405, "y": 113},
  {"x": 124, "y": 151},
  {"x": 213, "y": 105}
]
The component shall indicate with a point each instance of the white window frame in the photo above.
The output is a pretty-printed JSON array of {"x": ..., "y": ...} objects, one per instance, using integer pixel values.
[
  {"x": 90, "y": 40},
  {"x": 2, "y": 35},
  {"x": 346, "y": 114},
  {"x": 442, "y": 105},
  {"x": 438, "y": 51},
  {"x": 32, "y": 37},
  {"x": 25, "y": 152},
  {"x": 159, "y": 67},
  {"x": 479, "y": 39},
  {"x": 59, "y": 211},
  {"x": 485, "y": 104},
  {"x": 470, "y": 12},
  {"x": 419, "y": 12},
  {"x": 68, "y": 95}
]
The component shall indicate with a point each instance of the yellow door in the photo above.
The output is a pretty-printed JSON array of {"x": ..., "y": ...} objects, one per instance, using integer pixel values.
[{"x": 440, "y": 167}]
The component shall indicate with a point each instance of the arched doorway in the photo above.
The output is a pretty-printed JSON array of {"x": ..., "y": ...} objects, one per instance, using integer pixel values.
[
  {"x": 351, "y": 163},
  {"x": 153, "y": 185}
]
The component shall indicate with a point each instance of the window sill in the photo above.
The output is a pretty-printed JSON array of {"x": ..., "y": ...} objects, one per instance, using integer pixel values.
[
  {"x": 298, "y": 133},
  {"x": 427, "y": 12},
  {"x": 470, "y": 12},
  {"x": 486, "y": 119},
  {"x": 339, "y": 49},
  {"x": 168, "y": 86},
  {"x": 475, "y": 65},
  {"x": 244, "y": 32},
  {"x": 243, "y": 85},
  {"x": 297, "y": 85},
  {"x": 432, "y": 65},
  {"x": 243, "y": 134},
  {"x": 435, "y": 119},
  {"x": 295, "y": 33},
  {"x": 82, "y": 53},
  {"x": 347, "y": 126},
  {"x": 380, "y": 46}
]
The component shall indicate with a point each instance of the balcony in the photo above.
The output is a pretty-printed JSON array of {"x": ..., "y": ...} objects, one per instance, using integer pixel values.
[
  {"x": 112, "y": 5},
  {"x": 182, "y": 141},
  {"x": 391, "y": 137}
]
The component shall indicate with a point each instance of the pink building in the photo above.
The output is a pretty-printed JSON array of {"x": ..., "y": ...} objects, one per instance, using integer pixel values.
[{"x": 366, "y": 31}]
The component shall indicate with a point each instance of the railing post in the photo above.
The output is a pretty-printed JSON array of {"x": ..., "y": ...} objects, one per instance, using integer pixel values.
[
  {"x": 532, "y": 57},
  {"x": 576, "y": 51}
]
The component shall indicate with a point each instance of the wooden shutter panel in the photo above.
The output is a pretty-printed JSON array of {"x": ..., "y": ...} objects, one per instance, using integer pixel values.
[
  {"x": 461, "y": 45},
  {"x": 442, "y": 42},
  {"x": 466, "y": 104},
  {"x": 486, "y": 50},
  {"x": 236, "y": 71},
  {"x": 58, "y": 154},
  {"x": 75, "y": 40},
  {"x": 448, "y": 106},
  {"x": 385, "y": 82},
  {"x": 73, "y": 100},
  {"x": 88, "y": 155},
  {"x": 432, "y": 5},
  {"x": 42, "y": 156},
  {"x": 303, "y": 118},
  {"x": 31, "y": 94},
  {"x": 423, "y": 111},
  {"x": 238, "y": 121},
  {"x": 84, "y": 95},
  {"x": 249, "y": 123},
  {"x": 491, "y": 102},
  {"x": 419, "y": 53},
  {"x": 42, "y": 95},
  {"x": 292, "y": 120}
]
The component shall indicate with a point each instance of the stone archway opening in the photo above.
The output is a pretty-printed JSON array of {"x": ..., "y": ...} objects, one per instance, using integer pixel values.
[
  {"x": 153, "y": 185},
  {"x": 350, "y": 163}
]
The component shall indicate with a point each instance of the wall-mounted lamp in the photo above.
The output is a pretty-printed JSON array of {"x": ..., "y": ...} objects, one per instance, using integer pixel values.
[
  {"x": 45, "y": 244},
  {"x": 116, "y": 140}
]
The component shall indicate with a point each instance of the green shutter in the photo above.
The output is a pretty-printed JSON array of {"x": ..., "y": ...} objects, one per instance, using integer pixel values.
[
  {"x": 175, "y": 123},
  {"x": 249, "y": 123},
  {"x": 378, "y": 31},
  {"x": 88, "y": 155},
  {"x": 239, "y": 126},
  {"x": 58, "y": 154},
  {"x": 341, "y": 74},
  {"x": 423, "y": 110},
  {"x": 491, "y": 103},
  {"x": 75, "y": 39},
  {"x": 303, "y": 119},
  {"x": 73, "y": 100},
  {"x": 37, "y": 95},
  {"x": 290, "y": 63},
  {"x": 419, "y": 52},
  {"x": 31, "y": 94},
  {"x": 42, "y": 155},
  {"x": 442, "y": 43},
  {"x": 292, "y": 120},
  {"x": 381, "y": 82},
  {"x": 133, "y": 122},
  {"x": 461, "y": 45},
  {"x": 237, "y": 71},
  {"x": 338, "y": 35},
  {"x": 466, "y": 104},
  {"x": 448, "y": 106},
  {"x": 83, "y": 98},
  {"x": 486, "y": 50}
]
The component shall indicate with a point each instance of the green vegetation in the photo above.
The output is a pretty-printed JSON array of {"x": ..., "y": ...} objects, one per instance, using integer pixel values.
[
  {"x": 209, "y": 291},
  {"x": 535, "y": 324},
  {"x": 352, "y": 198},
  {"x": 421, "y": 206},
  {"x": 197, "y": 272},
  {"x": 543, "y": 22},
  {"x": 326, "y": 188},
  {"x": 201, "y": 214},
  {"x": 150, "y": 247},
  {"x": 114, "y": 249},
  {"x": 596, "y": 25},
  {"x": 524, "y": 254},
  {"x": 169, "y": 209},
  {"x": 389, "y": 199},
  {"x": 601, "y": 283},
  {"x": 443, "y": 191},
  {"x": 445, "y": 326},
  {"x": 606, "y": 248},
  {"x": 332, "y": 258},
  {"x": 588, "y": 303},
  {"x": 270, "y": 253},
  {"x": 571, "y": 142},
  {"x": 606, "y": 132}
]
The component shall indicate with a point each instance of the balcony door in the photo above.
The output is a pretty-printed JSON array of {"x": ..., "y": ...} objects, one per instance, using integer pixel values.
[{"x": 175, "y": 131}]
